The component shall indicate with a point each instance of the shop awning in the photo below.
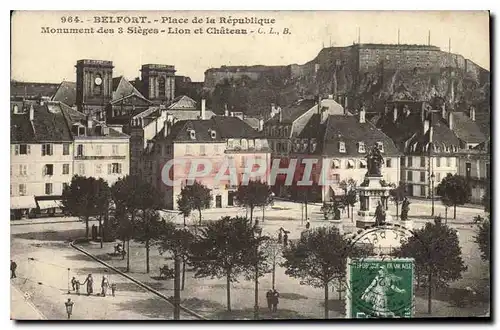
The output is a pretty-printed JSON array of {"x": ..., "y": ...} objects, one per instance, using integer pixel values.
[
  {"x": 49, "y": 204},
  {"x": 22, "y": 202}
]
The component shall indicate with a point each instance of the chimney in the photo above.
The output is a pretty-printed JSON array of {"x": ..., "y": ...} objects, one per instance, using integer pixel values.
[
  {"x": 32, "y": 113},
  {"x": 423, "y": 111},
  {"x": 202, "y": 114},
  {"x": 426, "y": 126},
  {"x": 89, "y": 121},
  {"x": 281, "y": 114},
  {"x": 443, "y": 110},
  {"x": 261, "y": 125},
  {"x": 345, "y": 104},
  {"x": 330, "y": 96},
  {"x": 362, "y": 115},
  {"x": 472, "y": 113},
  {"x": 431, "y": 134},
  {"x": 395, "y": 114},
  {"x": 226, "y": 112},
  {"x": 450, "y": 120},
  {"x": 167, "y": 127}
]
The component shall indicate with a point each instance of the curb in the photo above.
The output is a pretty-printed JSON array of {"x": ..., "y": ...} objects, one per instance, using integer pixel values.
[{"x": 144, "y": 286}]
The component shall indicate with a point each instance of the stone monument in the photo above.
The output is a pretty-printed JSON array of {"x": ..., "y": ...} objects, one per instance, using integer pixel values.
[{"x": 371, "y": 192}]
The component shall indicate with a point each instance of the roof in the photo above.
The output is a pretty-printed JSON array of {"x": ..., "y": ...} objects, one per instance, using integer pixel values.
[
  {"x": 123, "y": 88},
  {"x": 290, "y": 113},
  {"x": 349, "y": 130},
  {"x": 442, "y": 136},
  {"x": 466, "y": 129},
  {"x": 48, "y": 125},
  {"x": 483, "y": 120},
  {"x": 66, "y": 93},
  {"x": 179, "y": 132},
  {"x": 252, "y": 122},
  {"x": 234, "y": 127},
  {"x": 32, "y": 89},
  {"x": 183, "y": 102},
  {"x": 404, "y": 127},
  {"x": 73, "y": 117}
]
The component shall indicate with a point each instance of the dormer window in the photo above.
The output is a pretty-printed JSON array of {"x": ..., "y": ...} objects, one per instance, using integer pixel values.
[
  {"x": 361, "y": 147},
  {"x": 380, "y": 146},
  {"x": 342, "y": 147},
  {"x": 81, "y": 130},
  {"x": 230, "y": 144},
  {"x": 192, "y": 134},
  {"x": 251, "y": 144},
  {"x": 213, "y": 134}
]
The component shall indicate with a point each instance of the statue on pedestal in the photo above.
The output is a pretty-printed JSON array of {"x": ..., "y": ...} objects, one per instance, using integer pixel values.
[{"x": 374, "y": 161}]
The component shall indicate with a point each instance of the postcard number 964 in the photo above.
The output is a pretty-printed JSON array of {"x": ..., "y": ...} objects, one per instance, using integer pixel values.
[{"x": 70, "y": 19}]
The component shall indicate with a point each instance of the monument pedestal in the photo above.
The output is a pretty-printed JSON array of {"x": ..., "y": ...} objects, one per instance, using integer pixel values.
[{"x": 370, "y": 193}]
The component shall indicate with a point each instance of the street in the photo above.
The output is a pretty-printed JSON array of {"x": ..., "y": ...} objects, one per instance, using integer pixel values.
[{"x": 43, "y": 255}]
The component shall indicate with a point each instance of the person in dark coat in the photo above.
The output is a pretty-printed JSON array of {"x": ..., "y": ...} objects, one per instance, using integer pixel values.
[
  {"x": 275, "y": 300},
  {"x": 90, "y": 284},
  {"x": 405, "y": 208},
  {"x": 308, "y": 224},
  {"x": 285, "y": 240},
  {"x": 280, "y": 236},
  {"x": 269, "y": 298},
  {"x": 13, "y": 267},
  {"x": 379, "y": 215}
]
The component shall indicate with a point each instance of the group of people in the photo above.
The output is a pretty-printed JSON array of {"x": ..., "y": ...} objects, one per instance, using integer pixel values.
[
  {"x": 89, "y": 282},
  {"x": 272, "y": 297}
]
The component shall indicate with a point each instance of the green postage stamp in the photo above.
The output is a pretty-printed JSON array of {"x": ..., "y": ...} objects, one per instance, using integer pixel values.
[{"x": 379, "y": 288}]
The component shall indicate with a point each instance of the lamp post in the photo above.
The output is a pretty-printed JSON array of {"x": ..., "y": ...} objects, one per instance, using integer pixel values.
[
  {"x": 69, "y": 307},
  {"x": 68, "y": 281},
  {"x": 432, "y": 193},
  {"x": 257, "y": 233}
]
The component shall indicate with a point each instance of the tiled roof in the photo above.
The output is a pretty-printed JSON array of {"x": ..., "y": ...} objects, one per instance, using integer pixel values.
[
  {"x": 252, "y": 122},
  {"x": 48, "y": 125},
  {"x": 30, "y": 89},
  {"x": 442, "y": 136},
  {"x": 180, "y": 131},
  {"x": 66, "y": 93},
  {"x": 466, "y": 129},
  {"x": 233, "y": 127},
  {"x": 349, "y": 130},
  {"x": 123, "y": 88},
  {"x": 483, "y": 120},
  {"x": 73, "y": 117},
  {"x": 403, "y": 128},
  {"x": 183, "y": 102},
  {"x": 294, "y": 111}
]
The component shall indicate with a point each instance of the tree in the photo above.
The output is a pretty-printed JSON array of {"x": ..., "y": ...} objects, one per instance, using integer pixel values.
[
  {"x": 146, "y": 230},
  {"x": 254, "y": 194},
  {"x": 196, "y": 197},
  {"x": 175, "y": 241},
  {"x": 486, "y": 198},
  {"x": 437, "y": 254},
  {"x": 127, "y": 194},
  {"x": 397, "y": 195},
  {"x": 483, "y": 237},
  {"x": 122, "y": 227},
  {"x": 447, "y": 204},
  {"x": 183, "y": 203},
  {"x": 221, "y": 250},
  {"x": 455, "y": 189},
  {"x": 319, "y": 257},
  {"x": 274, "y": 254},
  {"x": 79, "y": 199},
  {"x": 350, "y": 195},
  {"x": 102, "y": 198}
]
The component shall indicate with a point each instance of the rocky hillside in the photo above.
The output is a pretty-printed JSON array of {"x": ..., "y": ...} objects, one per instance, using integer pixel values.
[{"x": 339, "y": 73}]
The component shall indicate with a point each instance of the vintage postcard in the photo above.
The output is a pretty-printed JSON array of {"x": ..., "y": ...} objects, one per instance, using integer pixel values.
[{"x": 237, "y": 165}]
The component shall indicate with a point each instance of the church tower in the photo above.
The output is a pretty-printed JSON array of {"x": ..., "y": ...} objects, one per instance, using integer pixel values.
[
  {"x": 94, "y": 87},
  {"x": 158, "y": 82}
]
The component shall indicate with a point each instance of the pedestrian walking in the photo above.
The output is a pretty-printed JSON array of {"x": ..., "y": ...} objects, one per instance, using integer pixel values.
[
  {"x": 285, "y": 240},
  {"x": 113, "y": 289},
  {"x": 77, "y": 287},
  {"x": 269, "y": 298},
  {"x": 104, "y": 286},
  {"x": 73, "y": 283},
  {"x": 308, "y": 224},
  {"x": 13, "y": 267},
  {"x": 90, "y": 284},
  {"x": 275, "y": 300}
]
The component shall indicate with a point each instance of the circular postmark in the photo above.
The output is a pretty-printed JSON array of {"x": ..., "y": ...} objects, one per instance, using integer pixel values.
[{"x": 378, "y": 283}]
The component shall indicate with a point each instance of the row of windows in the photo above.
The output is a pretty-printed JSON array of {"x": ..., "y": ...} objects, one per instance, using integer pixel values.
[
  {"x": 277, "y": 131},
  {"x": 47, "y": 149},
  {"x": 422, "y": 176},
  {"x": 49, "y": 188},
  {"x": 440, "y": 161},
  {"x": 112, "y": 168},
  {"x": 201, "y": 150},
  {"x": 361, "y": 147},
  {"x": 352, "y": 164},
  {"x": 48, "y": 169}
]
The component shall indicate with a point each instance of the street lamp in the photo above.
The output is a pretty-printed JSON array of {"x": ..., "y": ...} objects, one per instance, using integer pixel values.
[
  {"x": 432, "y": 193},
  {"x": 69, "y": 307},
  {"x": 68, "y": 281},
  {"x": 257, "y": 233}
]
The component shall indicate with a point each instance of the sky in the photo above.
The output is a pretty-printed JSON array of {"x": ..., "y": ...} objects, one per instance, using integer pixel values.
[{"x": 39, "y": 57}]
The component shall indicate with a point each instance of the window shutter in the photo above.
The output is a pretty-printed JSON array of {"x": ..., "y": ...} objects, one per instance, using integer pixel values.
[
  {"x": 45, "y": 170},
  {"x": 119, "y": 168},
  {"x": 16, "y": 149},
  {"x": 43, "y": 149},
  {"x": 109, "y": 168},
  {"x": 28, "y": 149}
]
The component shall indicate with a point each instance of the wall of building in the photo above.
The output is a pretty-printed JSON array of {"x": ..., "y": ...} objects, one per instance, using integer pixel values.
[
  {"x": 98, "y": 154},
  {"x": 34, "y": 179}
]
